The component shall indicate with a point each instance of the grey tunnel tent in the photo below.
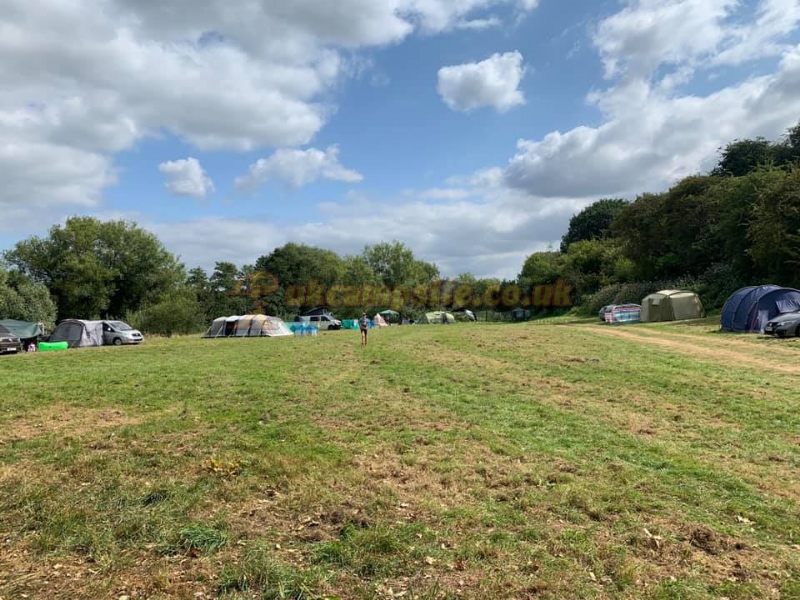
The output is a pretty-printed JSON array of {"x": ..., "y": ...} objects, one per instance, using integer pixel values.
[
  {"x": 78, "y": 333},
  {"x": 247, "y": 326}
]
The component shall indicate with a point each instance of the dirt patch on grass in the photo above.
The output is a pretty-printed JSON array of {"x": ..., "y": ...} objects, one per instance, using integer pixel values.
[
  {"x": 717, "y": 355},
  {"x": 63, "y": 419}
]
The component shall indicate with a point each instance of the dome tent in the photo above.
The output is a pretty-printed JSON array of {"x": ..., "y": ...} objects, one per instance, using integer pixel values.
[
  {"x": 78, "y": 333},
  {"x": 671, "y": 305},
  {"x": 749, "y": 309}
]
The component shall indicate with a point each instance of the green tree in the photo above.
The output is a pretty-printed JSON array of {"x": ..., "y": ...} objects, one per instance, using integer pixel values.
[
  {"x": 774, "y": 229},
  {"x": 593, "y": 222},
  {"x": 175, "y": 313},
  {"x": 97, "y": 269},
  {"x": 24, "y": 300},
  {"x": 395, "y": 264},
  {"x": 742, "y": 156}
]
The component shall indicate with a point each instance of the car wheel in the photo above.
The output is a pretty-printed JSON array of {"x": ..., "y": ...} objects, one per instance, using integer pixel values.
[{"x": 117, "y": 342}]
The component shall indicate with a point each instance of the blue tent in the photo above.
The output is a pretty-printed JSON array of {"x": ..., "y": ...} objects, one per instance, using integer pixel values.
[{"x": 749, "y": 309}]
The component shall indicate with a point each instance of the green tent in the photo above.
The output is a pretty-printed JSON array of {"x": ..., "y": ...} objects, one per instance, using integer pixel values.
[
  {"x": 671, "y": 305},
  {"x": 438, "y": 316},
  {"x": 24, "y": 330}
]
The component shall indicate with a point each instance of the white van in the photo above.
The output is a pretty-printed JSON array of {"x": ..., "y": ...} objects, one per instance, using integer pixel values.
[{"x": 322, "y": 322}]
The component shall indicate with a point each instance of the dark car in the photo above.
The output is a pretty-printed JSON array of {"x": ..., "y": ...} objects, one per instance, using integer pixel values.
[
  {"x": 9, "y": 343},
  {"x": 784, "y": 325}
]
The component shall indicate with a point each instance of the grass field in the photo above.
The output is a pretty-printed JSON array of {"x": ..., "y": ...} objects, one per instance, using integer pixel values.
[{"x": 570, "y": 460}]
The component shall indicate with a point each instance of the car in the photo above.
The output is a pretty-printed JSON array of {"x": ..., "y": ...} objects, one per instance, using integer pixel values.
[
  {"x": 787, "y": 324},
  {"x": 117, "y": 333},
  {"x": 9, "y": 343}
]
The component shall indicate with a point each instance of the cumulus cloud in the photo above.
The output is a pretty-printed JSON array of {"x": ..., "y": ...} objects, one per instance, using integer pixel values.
[
  {"x": 492, "y": 82},
  {"x": 689, "y": 34},
  {"x": 297, "y": 168},
  {"x": 186, "y": 177},
  {"x": 483, "y": 227},
  {"x": 238, "y": 75},
  {"x": 651, "y": 134}
]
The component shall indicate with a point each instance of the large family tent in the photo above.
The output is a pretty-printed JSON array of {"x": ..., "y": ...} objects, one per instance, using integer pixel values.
[
  {"x": 248, "y": 326},
  {"x": 671, "y": 305},
  {"x": 78, "y": 333},
  {"x": 437, "y": 317},
  {"x": 749, "y": 309}
]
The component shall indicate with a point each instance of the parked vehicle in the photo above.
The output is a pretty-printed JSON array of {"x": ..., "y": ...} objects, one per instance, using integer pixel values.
[
  {"x": 9, "y": 343},
  {"x": 118, "y": 332},
  {"x": 784, "y": 325},
  {"x": 324, "y": 322}
]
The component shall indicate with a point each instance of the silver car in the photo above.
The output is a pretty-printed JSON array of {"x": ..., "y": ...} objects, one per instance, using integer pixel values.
[
  {"x": 784, "y": 325},
  {"x": 117, "y": 333}
]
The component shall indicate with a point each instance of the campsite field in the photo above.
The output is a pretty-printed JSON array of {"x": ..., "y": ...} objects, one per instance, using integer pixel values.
[{"x": 466, "y": 461}]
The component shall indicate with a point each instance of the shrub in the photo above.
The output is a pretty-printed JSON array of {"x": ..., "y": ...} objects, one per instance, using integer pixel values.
[{"x": 176, "y": 313}]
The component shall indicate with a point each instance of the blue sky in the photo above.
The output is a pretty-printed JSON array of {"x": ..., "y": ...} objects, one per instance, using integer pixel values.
[{"x": 470, "y": 130}]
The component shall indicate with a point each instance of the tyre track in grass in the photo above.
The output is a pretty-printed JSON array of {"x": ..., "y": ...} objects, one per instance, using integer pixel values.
[{"x": 696, "y": 350}]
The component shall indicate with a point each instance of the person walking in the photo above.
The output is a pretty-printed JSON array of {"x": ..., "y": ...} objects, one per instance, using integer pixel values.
[{"x": 363, "y": 325}]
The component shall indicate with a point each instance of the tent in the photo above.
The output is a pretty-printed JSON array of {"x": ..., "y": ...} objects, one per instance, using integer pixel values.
[
  {"x": 248, "y": 326},
  {"x": 78, "y": 333},
  {"x": 623, "y": 313},
  {"x": 671, "y": 305},
  {"x": 438, "y": 317},
  {"x": 379, "y": 321},
  {"x": 749, "y": 309},
  {"x": 24, "y": 330}
]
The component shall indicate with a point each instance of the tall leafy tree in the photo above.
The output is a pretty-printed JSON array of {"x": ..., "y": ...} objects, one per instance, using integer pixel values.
[
  {"x": 593, "y": 222},
  {"x": 395, "y": 264},
  {"x": 24, "y": 300},
  {"x": 98, "y": 269},
  {"x": 774, "y": 228}
]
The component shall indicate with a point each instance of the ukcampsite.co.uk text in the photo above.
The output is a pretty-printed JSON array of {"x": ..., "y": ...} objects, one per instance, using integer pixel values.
[{"x": 555, "y": 295}]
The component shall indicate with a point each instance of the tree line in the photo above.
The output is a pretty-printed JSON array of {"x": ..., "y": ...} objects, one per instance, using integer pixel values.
[
  {"x": 712, "y": 233},
  {"x": 737, "y": 225}
]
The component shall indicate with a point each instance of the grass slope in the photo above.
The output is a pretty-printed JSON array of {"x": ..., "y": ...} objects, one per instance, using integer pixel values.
[{"x": 571, "y": 460}]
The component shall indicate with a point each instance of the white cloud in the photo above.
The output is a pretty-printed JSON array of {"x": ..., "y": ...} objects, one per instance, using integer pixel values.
[
  {"x": 445, "y": 194},
  {"x": 81, "y": 83},
  {"x": 186, "y": 177},
  {"x": 489, "y": 232},
  {"x": 492, "y": 82},
  {"x": 297, "y": 168},
  {"x": 651, "y": 135},
  {"x": 690, "y": 34}
]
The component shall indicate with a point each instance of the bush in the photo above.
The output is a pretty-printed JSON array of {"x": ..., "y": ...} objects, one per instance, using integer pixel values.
[
  {"x": 601, "y": 298},
  {"x": 176, "y": 313}
]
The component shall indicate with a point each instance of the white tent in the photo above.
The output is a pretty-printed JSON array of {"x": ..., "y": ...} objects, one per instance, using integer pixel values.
[
  {"x": 379, "y": 321},
  {"x": 78, "y": 333},
  {"x": 248, "y": 326}
]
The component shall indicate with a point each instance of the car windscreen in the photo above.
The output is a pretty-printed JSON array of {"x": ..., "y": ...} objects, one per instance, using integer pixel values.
[{"x": 120, "y": 326}]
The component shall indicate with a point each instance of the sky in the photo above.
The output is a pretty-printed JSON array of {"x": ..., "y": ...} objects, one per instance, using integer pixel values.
[{"x": 469, "y": 130}]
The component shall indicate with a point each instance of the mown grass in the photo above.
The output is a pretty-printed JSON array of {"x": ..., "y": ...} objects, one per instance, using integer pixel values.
[{"x": 471, "y": 461}]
